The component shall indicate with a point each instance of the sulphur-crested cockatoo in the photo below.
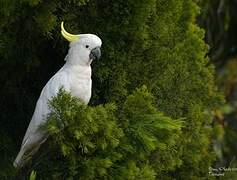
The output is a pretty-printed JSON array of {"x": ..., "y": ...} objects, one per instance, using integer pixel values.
[{"x": 74, "y": 77}]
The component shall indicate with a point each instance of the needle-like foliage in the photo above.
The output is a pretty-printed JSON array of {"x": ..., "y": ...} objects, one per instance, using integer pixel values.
[
  {"x": 106, "y": 142},
  {"x": 123, "y": 132}
]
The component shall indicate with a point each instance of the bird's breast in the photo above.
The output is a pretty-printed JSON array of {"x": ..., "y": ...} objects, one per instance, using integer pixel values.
[{"x": 81, "y": 88}]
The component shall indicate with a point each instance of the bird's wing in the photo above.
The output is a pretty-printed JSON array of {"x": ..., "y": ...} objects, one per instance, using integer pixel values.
[
  {"x": 42, "y": 109},
  {"x": 34, "y": 137}
]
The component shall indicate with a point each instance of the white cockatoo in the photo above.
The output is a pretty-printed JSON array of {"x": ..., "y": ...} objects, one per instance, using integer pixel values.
[{"x": 74, "y": 77}]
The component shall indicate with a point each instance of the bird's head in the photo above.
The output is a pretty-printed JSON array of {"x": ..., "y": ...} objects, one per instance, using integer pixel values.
[{"x": 84, "y": 48}]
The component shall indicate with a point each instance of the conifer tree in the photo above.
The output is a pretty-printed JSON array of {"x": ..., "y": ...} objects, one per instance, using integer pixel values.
[
  {"x": 106, "y": 142},
  {"x": 155, "y": 43}
]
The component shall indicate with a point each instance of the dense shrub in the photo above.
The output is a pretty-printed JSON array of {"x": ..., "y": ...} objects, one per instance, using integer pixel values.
[
  {"x": 107, "y": 142},
  {"x": 155, "y": 43}
]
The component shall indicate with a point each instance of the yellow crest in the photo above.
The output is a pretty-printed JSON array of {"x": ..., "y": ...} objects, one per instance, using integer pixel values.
[{"x": 68, "y": 36}]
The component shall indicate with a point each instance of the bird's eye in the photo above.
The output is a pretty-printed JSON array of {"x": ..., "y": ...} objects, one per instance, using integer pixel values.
[{"x": 87, "y": 46}]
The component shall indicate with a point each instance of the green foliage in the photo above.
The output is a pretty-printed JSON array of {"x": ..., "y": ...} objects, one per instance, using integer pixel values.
[
  {"x": 32, "y": 175},
  {"x": 155, "y": 43},
  {"x": 105, "y": 142}
]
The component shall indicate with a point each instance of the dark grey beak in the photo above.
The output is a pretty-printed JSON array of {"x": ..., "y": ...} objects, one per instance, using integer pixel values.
[{"x": 95, "y": 53}]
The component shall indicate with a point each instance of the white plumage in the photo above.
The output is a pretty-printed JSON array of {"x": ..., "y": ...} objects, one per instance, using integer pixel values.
[{"x": 74, "y": 77}]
